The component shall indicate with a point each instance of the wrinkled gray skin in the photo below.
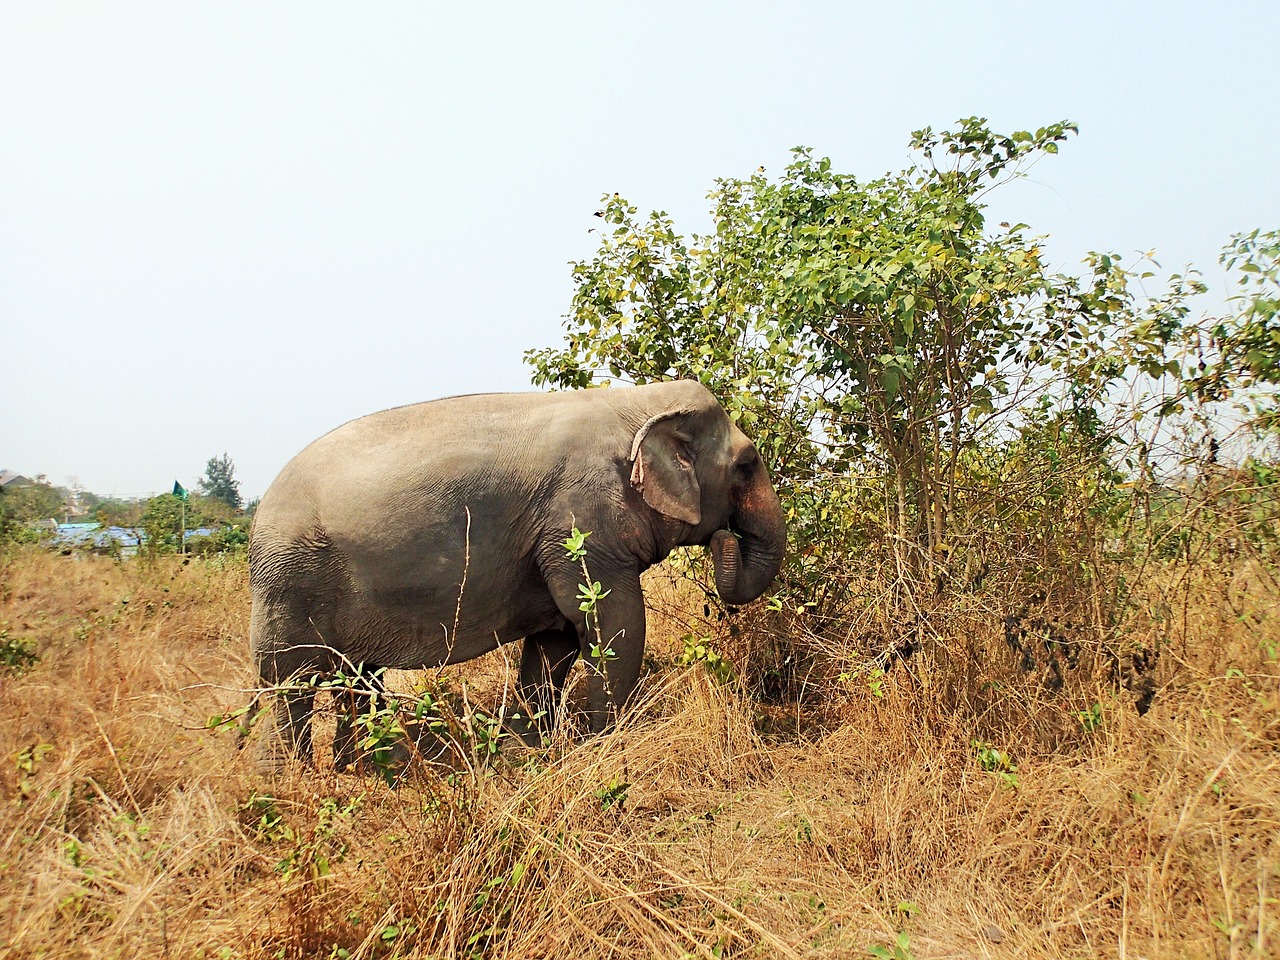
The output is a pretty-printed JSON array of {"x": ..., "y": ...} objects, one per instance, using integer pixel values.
[{"x": 432, "y": 533}]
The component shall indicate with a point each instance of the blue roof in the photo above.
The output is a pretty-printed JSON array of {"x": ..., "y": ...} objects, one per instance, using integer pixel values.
[{"x": 83, "y": 534}]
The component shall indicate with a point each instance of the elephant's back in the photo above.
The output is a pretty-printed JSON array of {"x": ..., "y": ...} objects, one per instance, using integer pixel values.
[
  {"x": 414, "y": 472},
  {"x": 481, "y": 452},
  {"x": 420, "y": 447},
  {"x": 467, "y": 439}
]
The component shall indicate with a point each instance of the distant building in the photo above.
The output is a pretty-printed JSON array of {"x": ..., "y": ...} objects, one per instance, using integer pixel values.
[
  {"x": 10, "y": 479},
  {"x": 126, "y": 540}
]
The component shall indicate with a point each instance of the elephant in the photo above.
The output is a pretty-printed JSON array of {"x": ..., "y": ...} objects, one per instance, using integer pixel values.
[{"x": 432, "y": 533}]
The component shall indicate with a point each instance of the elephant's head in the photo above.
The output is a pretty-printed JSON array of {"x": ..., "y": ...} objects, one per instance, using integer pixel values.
[{"x": 692, "y": 464}]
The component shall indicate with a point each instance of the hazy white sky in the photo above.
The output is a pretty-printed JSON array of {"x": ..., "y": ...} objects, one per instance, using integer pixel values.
[{"x": 233, "y": 226}]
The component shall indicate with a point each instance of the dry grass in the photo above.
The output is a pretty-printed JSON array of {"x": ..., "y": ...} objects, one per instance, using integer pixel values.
[{"x": 130, "y": 831}]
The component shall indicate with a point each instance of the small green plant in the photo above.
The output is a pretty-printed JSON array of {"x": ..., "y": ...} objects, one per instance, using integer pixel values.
[
  {"x": 490, "y": 910},
  {"x": 997, "y": 762},
  {"x": 265, "y": 821},
  {"x": 75, "y": 853},
  {"x": 875, "y": 682},
  {"x": 589, "y": 596},
  {"x": 1228, "y": 928},
  {"x": 613, "y": 793},
  {"x": 900, "y": 949},
  {"x": 698, "y": 649},
  {"x": 601, "y": 653},
  {"x": 804, "y": 830},
  {"x": 17, "y": 654},
  {"x": 874, "y": 678},
  {"x": 397, "y": 932},
  {"x": 431, "y": 703},
  {"x": 388, "y": 724},
  {"x": 239, "y": 721},
  {"x": 576, "y": 544},
  {"x": 1091, "y": 720},
  {"x": 487, "y": 733},
  {"x": 309, "y": 851},
  {"x": 27, "y": 761},
  {"x": 314, "y": 854},
  {"x": 383, "y": 733}
]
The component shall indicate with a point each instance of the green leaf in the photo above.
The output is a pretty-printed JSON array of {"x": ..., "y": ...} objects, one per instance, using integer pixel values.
[{"x": 889, "y": 378}]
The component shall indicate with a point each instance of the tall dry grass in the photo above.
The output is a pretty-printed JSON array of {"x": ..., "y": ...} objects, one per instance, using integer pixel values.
[{"x": 710, "y": 824}]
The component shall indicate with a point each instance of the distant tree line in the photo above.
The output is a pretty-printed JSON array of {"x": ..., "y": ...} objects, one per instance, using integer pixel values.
[{"x": 218, "y": 507}]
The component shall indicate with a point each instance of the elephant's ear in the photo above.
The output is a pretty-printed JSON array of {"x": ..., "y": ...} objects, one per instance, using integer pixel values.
[{"x": 662, "y": 467}]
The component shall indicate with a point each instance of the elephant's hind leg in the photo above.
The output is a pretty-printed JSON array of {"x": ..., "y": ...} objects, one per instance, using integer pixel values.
[
  {"x": 545, "y": 662},
  {"x": 289, "y": 652}
]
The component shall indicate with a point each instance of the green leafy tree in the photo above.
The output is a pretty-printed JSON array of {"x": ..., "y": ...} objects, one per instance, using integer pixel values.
[
  {"x": 162, "y": 521},
  {"x": 32, "y": 501},
  {"x": 878, "y": 338},
  {"x": 1247, "y": 340},
  {"x": 219, "y": 482},
  {"x": 114, "y": 512}
]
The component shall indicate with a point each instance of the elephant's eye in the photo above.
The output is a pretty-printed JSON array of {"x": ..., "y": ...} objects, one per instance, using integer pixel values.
[{"x": 745, "y": 468}]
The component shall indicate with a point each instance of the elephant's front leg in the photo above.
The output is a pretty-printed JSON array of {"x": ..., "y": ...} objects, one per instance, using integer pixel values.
[
  {"x": 610, "y": 635},
  {"x": 544, "y": 665}
]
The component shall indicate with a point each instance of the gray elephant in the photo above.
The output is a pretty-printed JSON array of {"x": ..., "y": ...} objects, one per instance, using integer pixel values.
[{"x": 431, "y": 534}]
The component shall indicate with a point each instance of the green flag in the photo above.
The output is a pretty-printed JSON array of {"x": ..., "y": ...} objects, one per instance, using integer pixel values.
[{"x": 179, "y": 490}]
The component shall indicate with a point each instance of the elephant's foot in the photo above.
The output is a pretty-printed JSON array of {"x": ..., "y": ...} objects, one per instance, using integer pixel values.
[
  {"x": 282, "y": 734},
  {"x": 274, "y": 755}
]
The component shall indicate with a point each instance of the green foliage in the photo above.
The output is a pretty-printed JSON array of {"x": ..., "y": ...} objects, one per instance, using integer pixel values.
[
  {"x": 17, "y": 654},
  {"x": 219, "y": 482},
  {"x": 900, "y": 949},
  {"x": 1249, "y": 339},
  {"x": 309, "y": 848},
  {"x": 26, "y": 765},
  {"x": 162, "y": 518},
  {"x": 233, "y": 537},
  {"x": 879, "y": 330},
  {"x": 239, "y": 721},
  {"x": 874, "y": 677},
  {"x": 1092, "y": 719},
  {"x": 962, "y": 435},
  {"x": 162, "y": 521},
  {"x": 114, "y": 512},
  {"x": 16, "y": 532},
  {"x": 589, "y": 595},
  {"x": 698, "y": 648},
  {"x": 996, "y": 761},
  {"x": 613, "y": 793},
  {"x": 21, "y": 504},
  {"x": 575, "y": 544}
]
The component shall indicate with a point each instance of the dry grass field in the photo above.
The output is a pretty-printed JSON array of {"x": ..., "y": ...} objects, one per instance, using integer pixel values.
[{"x": 949, "y": 807}]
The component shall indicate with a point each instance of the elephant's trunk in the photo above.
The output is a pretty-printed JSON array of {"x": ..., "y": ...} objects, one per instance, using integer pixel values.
[{"x": 744, "y": 571}]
